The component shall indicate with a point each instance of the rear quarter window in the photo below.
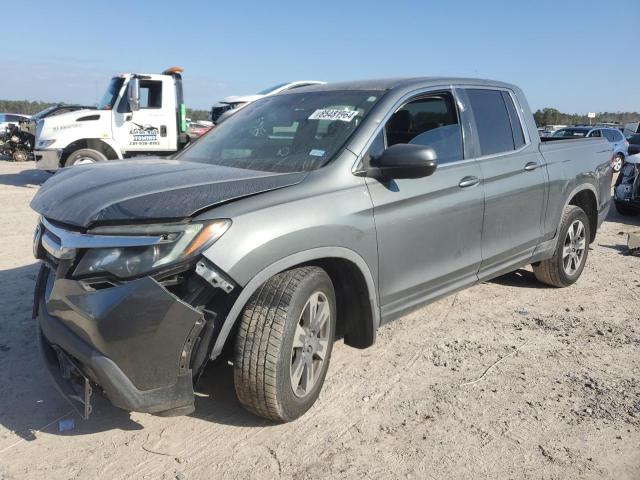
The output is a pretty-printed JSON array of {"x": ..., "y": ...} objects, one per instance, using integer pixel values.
[{"x": 492, "y": 121}]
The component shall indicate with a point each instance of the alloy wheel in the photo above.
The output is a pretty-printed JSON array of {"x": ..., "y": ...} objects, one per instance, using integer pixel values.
[
  {"x": 310, "y": 344},
  {"x": 573, "y": 251}
]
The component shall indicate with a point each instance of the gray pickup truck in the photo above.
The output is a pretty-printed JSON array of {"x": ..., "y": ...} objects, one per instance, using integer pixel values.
[{"x": 317, "y": 214}]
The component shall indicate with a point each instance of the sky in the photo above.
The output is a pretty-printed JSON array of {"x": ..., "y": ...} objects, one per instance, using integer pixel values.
[{"x": 577, "y": 56}]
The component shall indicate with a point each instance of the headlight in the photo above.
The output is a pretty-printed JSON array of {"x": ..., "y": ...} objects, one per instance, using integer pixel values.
[{"x": 179, "y": 242}]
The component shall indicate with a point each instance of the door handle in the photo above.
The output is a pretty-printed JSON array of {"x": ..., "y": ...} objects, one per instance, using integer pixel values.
[
  {"x": 468, "y": 182},
  {"x": 531, "y": 166}
]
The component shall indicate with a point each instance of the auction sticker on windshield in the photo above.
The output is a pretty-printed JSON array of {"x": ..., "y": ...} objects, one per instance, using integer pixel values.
[{"x": 333, "y": 114}]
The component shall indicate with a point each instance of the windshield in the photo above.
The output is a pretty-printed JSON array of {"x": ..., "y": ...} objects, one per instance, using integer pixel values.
[
  {"x": 44, "y": 113},
  {"x": 109, "y": 98},
  {"x": 571, "y": 132},
  {"x": 271, "y": 89},
  {"x": 285, "y": 133}
]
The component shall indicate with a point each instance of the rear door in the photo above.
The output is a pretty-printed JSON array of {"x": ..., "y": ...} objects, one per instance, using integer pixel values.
[
  {"x": 429, "y": 229},
  {"x": 515, "y": 181}
]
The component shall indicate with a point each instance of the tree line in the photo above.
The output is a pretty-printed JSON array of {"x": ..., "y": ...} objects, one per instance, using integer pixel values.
[
  {"x": 551, "y": 116},
  {"x": 546, "y": 116},
  {"x": 26, "y": 107}
]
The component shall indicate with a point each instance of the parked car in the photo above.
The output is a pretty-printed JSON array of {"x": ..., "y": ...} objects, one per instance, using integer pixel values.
[
  {"x": 613, "y": 136},
  {"x": 634, "y": 139},
  {"x": 19, "y": 140},
  {"x": 7, "y": 118},
  {"x": 15, "y": 144},
  {"x": 197, "y": 129},
  {"x": 631, "y": 128},
  {"x": 29, "y": 124},
  {"x": 626, "y": 193},
  {"x": 231, "y": 104},
  {"x": 315, "y": 214}
]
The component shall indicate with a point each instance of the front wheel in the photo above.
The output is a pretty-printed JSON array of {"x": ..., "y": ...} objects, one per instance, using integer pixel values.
[
  {"x": 84, "y": 156},
  {"x": 284, "y": 344},
  {"x": 566, "y": 265}
]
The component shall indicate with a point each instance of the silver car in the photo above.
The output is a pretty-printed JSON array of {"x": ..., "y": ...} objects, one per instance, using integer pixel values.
[
  {"x": 613, "y": 136},
  {"x": 313, "y": 215}
]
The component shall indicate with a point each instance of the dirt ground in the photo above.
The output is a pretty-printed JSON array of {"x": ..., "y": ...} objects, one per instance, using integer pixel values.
[{"x": 564, "y": 401}]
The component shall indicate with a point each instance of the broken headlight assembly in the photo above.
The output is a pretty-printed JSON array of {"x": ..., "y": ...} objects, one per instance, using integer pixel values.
[{"x": 172, "y": 244}]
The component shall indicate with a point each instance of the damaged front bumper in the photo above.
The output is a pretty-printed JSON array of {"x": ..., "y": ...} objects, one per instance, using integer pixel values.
[{"x": 134, "y": 341}]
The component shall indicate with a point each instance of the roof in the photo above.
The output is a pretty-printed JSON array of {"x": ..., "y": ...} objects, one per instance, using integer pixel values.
[{"x": 394, "y": 83}]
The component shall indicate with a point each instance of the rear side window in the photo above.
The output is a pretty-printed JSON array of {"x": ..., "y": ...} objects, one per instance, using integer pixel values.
[
  {"x": 516, "y": 126},
  {"x": 609, "y": 135},
  {"x": 615, "y": 135},
  {"x": 492, "y": 121}
]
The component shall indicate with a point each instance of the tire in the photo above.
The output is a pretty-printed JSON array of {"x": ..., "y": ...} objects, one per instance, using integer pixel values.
[
  {"x": 616, "y": 162},
  {"x": 83, "y": 156},
  {"x": 19, "y": 156},
  {"x": 265, "y": 357},
  {"x": 626, "y": 210},
  {"x": 555, "y": 271}
]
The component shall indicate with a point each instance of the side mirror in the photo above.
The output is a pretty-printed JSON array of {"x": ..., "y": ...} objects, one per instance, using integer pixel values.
[
  {"x": 404, "y": 160},
  {"x": 134, "y": 94},
  {"x": 634, "y": 149}
]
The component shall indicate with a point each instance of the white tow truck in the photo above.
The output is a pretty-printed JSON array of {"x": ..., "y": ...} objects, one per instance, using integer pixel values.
[{"x": 139, "y": 114}]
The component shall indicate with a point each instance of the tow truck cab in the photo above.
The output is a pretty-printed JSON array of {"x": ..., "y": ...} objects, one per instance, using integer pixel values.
[{"x": 138, "y": 114}]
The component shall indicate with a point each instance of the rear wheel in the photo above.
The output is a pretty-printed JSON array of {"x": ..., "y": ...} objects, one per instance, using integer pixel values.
[
  {"x": 616, "y": 162},
  {"x": 284, "y": 344},
  {"x": 566, "y": 265},
  {"x": 84, "y": 156}
]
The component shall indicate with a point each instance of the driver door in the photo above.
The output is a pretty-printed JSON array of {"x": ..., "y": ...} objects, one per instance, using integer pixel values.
[
  {"x": 429, "y": 229},
  {"x": 152, "y": 128}
]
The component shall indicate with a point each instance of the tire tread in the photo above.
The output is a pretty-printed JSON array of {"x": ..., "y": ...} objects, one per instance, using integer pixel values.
[
  {"x": 548, "y": 271},
  {"x": 259, "y": 342}
]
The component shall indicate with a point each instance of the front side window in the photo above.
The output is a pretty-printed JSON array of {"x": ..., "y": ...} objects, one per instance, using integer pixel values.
[
  {"x": 594, "y": 133},
  {"x": 285, "y": 133},
  {"x": 150, "y": 94},
  {"x": 431, "y": 121},
  {"x": 492, "y": 121}
]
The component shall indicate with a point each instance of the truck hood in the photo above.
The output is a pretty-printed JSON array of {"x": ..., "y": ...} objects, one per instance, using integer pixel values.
[
  {"x": 70, "y": 117},
  {"x": 69, "y": 126},
  {"x": 147, "y": 189}
]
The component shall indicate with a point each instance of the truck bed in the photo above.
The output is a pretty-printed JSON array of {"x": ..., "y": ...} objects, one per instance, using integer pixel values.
[{"x": 572, "y": 161}]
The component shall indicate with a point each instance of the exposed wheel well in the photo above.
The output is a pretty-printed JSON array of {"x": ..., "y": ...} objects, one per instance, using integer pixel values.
[
  {"x": 355, "y": 318},
  {"x": 586, "y": 200},
  {"x": 92, "y": 143}
]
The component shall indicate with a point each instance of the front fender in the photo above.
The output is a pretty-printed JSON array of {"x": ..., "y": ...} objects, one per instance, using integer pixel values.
[{"x": 289, "y": 262}]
